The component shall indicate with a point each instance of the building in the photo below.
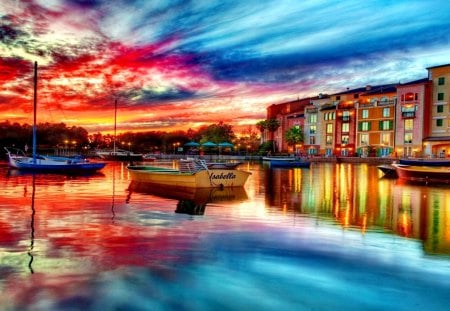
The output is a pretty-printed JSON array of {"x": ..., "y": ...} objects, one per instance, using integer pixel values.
[
  {"x": 413, "y": 118},
  {"x": 437, "y": 142},
  {"x": 375, "y": 134},
  {"x": 405, "y": 120}
]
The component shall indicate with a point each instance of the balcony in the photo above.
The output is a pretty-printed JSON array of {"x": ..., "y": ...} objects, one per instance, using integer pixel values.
[
  {"x": 408, "y": 115},
  {"x": 345, "y": 118}
]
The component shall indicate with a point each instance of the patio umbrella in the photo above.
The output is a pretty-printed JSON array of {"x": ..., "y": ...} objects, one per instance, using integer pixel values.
[
  {"x": 226, "y": 145},
  {"x": 191, "y": 144},
  {"x": 209, "y": 144}
]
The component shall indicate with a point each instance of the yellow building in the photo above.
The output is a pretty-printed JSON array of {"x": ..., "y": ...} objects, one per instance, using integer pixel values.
[{"x": 437, "y": 141}]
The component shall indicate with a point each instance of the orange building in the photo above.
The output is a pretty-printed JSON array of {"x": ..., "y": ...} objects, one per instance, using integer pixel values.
[{"x": 375, "y": 134}]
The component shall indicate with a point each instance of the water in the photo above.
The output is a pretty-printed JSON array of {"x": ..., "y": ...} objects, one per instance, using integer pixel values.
[{"x": 325, "y": 238}]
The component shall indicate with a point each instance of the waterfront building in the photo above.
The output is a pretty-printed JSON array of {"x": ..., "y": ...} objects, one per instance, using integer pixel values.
[
  {"x": 437, "y": 141},
  {"x": 314, "y": 126},
  {"x": 375, "y": 133},
  {"x": 327, "y": 113},
  {"x": 412, "y": 121},
  {"x": 406, "y": 120},
  {"x": 289, "y": 114},
  {"x": 345, "y": 127}
]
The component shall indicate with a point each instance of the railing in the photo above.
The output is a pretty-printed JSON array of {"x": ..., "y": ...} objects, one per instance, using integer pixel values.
[{"x": 408, "y": 115}]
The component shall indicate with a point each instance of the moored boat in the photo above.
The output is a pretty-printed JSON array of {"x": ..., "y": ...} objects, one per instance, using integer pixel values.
[
  {"x": 425, "y": 162},
  {"x": 290, "y": 163},
  {"x": 190, "y": 175},
  {"x": 119, "y": 155},
  {"x": 17, "y": 159},
  {"x": 426, "y": 174},
  {"x": 388, "y": 170}
]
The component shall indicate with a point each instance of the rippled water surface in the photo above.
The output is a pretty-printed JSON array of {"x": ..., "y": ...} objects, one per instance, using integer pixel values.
[{"x": 332, "y": 237}]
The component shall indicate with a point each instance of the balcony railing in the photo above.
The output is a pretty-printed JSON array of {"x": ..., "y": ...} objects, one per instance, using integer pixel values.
[
  {"x": 345, "y": 118},
  {"x": 408, "y": 115}
]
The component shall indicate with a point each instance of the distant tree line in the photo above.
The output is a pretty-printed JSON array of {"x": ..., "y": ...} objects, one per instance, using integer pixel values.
[{"x": 52, "y": 136}]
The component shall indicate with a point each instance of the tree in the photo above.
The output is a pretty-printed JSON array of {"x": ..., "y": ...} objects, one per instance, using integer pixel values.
[
  {"x": 294, "y": 135},
  {"x": 217, "y": 133},
  {"x": 270, "y": 125}
]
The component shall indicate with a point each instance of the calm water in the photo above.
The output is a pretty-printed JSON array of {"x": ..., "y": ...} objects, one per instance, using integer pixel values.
[{"x": 332, "y": 237}]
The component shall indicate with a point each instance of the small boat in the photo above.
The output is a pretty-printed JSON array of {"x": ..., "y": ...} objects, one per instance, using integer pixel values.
[
  {"x": 426, "y": 174},
  {"x": 425, "y": 162},
  {"x": 191, "y": 174},
  {"x": 388, "y": 170},
  {"x": 148, "y": 157},
  {"x": 17, "y": 159},
  {"x": 119, "y": 155},
  {"x": 278, "y": 158},
  {"x": 289, "y": 163}
]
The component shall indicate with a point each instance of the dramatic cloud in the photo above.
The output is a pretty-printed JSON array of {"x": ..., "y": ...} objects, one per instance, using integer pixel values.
[{"x": 177, "y": 64}]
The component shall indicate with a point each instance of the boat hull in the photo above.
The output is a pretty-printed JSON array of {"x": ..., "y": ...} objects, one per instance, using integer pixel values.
[
  {"x": 202, "y": 179},
  {"x": 423, "y": 174},
  {"x": 388, "y": 170},
  {"x": 289, "y": 164},
  {"x": 54, "y": 166},
  {"x": 425, "y": 162}
]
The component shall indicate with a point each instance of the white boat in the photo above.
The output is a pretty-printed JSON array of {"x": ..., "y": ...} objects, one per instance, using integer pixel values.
[
  {"x": 191, "y": 174},
  {"x": 17, "y": 159},
  {"x": 118, "y": 154}
]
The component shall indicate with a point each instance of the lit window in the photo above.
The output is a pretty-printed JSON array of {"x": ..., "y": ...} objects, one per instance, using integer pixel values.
[
  {"x": 365, "y": 113},
  {"x": 408, "y": 124},
  {"x": 329, "y": 128},
  {"x": 364, "y": 139},
  {"x": 408, "y": 138},
  {"x": 386, "y": 112},
  {"x": 345, "y": 127}
]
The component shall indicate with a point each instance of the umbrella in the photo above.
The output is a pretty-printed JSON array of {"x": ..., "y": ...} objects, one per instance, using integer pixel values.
[
  {"x": 209, "y": 144},
  {"x": 192, "y": 144},
  {"x": 226, "y": 144}
]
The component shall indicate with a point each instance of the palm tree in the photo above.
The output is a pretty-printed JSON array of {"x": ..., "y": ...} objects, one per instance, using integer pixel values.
[{"x": 294, "y": 136}]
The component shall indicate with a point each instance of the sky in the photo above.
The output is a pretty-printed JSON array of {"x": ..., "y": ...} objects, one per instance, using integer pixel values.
[{"x": 179, "y": 64}]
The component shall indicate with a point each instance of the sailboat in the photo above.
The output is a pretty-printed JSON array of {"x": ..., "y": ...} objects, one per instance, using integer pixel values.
[
  {"x": 37, "y": 163},
  {"x": 118, "y": 154}
]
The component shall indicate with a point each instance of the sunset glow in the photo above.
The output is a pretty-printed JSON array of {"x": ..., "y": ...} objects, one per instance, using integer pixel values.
[{"x": 179, "y": 64}]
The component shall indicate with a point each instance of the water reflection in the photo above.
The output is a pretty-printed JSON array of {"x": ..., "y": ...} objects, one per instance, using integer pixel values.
[
  {"x": 331, "y": 237},
  {"x": 357, "y": 197},
  {"x": 190, "y": 200}
]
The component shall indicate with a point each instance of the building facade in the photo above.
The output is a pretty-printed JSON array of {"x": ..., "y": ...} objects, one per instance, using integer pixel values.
[{"x": 404, "y": 120}]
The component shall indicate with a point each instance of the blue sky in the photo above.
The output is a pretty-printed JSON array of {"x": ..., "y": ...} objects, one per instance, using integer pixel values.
[{"x": 181, "y": 64}]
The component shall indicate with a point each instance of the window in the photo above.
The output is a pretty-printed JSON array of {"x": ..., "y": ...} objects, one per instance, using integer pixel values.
[
  {"x": 338, "y": 97},
  {"x": 329, "y": 128},
  {"x": 385, "y": 139},
  {"x": 409, "y": 96},
  {"x": 386, "y": 112},
  {"x": 313, "y": 118},
  {"x": 365, "y": 113},
  {"x": 441, "y": 81},
  {"x": 439, "y": 108},
  {"x": 408, "y": 138},
  {"x": 408, "y": 124},
  {"x": 312, "y": 140},
  {"x": 364, "y": 126},
  {"x": 440, "y": 96},
  {"x": 312, "y": 129},
  {"x": 345, "y": 127},
  {"x": 364, "y": 139},
  {"x": 329, "y": 140},
  {"x": 355, "y": 96},
  {"x": 386, "y": 125},
  {"x": 345, "y": 139},
  {"x": 439, "y": 122}
]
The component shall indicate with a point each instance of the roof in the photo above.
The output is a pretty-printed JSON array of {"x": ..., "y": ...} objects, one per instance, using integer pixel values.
[
  {"x": 420, "y": 81},
  {"x": 438, "y": 66}
]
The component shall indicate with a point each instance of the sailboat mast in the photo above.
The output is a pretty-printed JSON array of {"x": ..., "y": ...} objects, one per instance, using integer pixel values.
[
  {"x": 115, "y": 125},
  {"x": 34, "y": 111}
]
